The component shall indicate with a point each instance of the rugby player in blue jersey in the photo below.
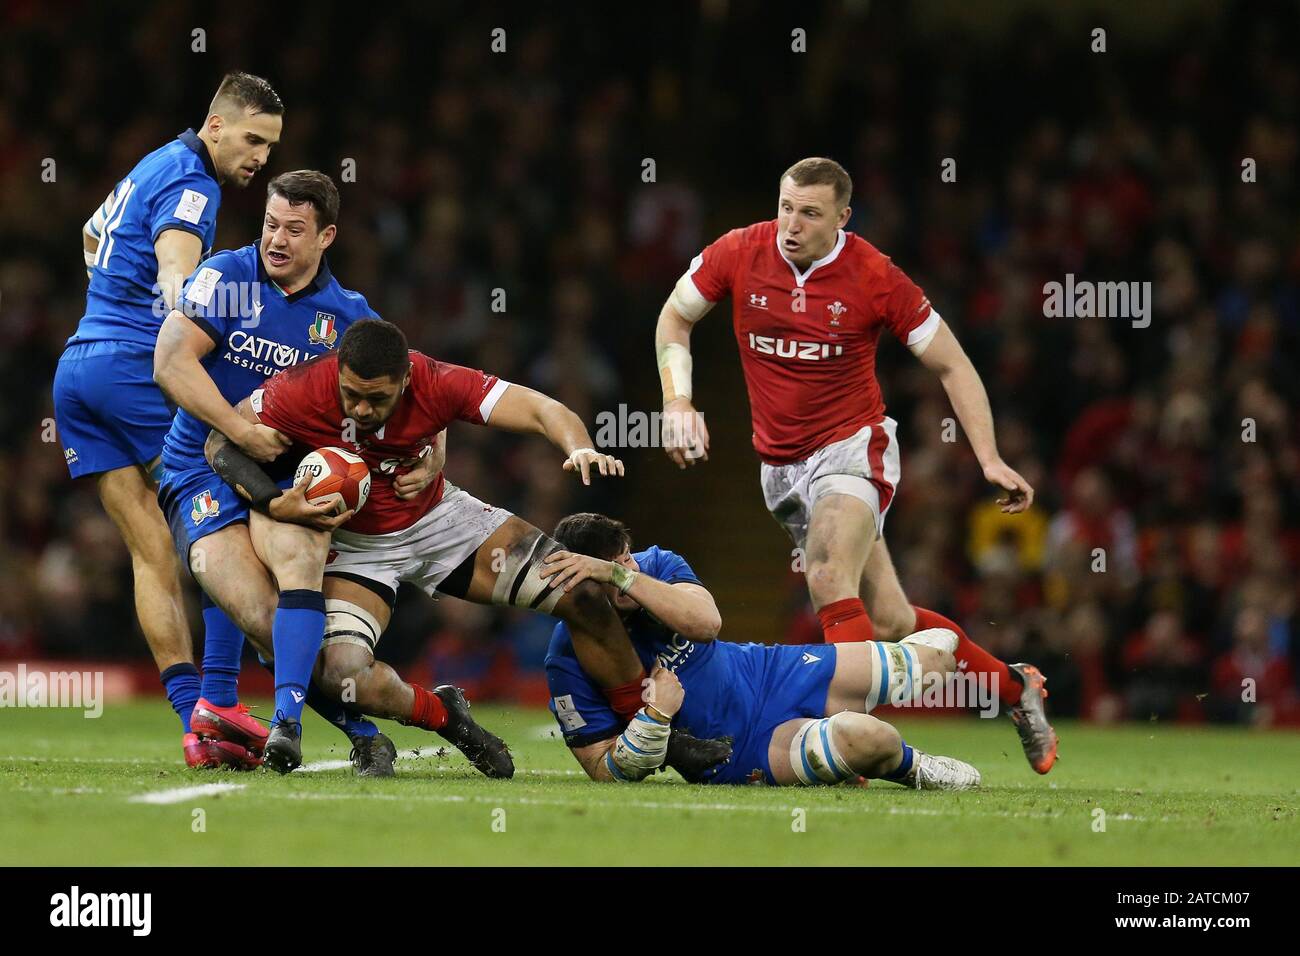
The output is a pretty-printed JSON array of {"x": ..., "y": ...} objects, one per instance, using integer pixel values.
[
  {"x": 247, "y": 315},
  {"x": 798, "y": 714},
  {"x": 148, "y": 235}
]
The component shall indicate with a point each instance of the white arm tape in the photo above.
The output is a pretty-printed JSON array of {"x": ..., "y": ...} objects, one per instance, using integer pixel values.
[
  {"x": 639, "y": 750},
  {"x": 687, "y": 300},
  {"x": 675, "y": 367},
  {"x": 94, "y": 228},
  {"x": 921, "y": 336}
]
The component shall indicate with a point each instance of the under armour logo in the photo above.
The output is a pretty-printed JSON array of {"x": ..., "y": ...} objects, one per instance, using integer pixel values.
[{"x": 758, "y": 301}]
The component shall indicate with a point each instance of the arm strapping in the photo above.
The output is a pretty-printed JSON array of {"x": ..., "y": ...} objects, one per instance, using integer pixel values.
[{"x": 241, "y": 472}]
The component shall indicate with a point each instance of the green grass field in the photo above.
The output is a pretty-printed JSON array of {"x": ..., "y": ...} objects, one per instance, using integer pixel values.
[{"x": 77, "y": 792}]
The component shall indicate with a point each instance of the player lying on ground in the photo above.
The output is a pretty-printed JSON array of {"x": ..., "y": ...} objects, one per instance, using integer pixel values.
[
  {"x": 798, "y": 715},
  {"x": 388, "y": 404},
  {"x": 247, "y": 314},
  {"x": 148, "y": 235},
  {"x": 808, "y": 302}
]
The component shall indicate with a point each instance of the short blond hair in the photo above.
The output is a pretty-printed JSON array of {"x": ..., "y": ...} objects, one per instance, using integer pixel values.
[{"x": 820, "y": 171}]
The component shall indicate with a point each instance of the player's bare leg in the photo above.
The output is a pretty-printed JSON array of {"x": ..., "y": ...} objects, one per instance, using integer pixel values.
[
  {"x": 1019, "y": 687},
  {"x": 840, "y": 533},
  {"x": 295, "y": 556},
  {"x": 841, "y": 530},
  {"x": 356, "y": 617},
  {"x": 892, "y": 616},
  {"x": 911, "y": 666},
  {"x": 130, "y": 498},
  {"x": 849, "y": 745},
  {"x": 599, "y": 638},
  {"x": 232, "y": 574}
]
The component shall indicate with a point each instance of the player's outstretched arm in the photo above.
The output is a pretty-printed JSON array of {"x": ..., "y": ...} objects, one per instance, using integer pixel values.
[
  {"x": 643, "y": 746},
  {"x": 688, "y": 609},
  {"x": 685, "y": 436},
  {"x": 179, "y": 372},
  {"x": 944, "y": 356},
  {"x": 529, "y": 412}
]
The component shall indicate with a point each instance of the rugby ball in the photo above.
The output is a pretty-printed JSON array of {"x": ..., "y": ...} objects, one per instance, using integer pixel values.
[{"x": 337, "y": 476}]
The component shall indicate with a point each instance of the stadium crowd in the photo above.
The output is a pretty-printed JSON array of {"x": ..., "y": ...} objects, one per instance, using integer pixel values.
[{"x": 1155, "y": 577}]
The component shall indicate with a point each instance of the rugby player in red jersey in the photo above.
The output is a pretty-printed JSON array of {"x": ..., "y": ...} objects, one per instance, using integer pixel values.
[
  {"x": 389, "y": 404},
  {"x": 808, "y": 303}
]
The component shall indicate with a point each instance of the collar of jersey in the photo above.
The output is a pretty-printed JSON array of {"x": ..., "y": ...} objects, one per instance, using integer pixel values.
[
  {"x": 801, "y": 277},
  {"x": 191, "y": 139},
  {"x": 321, "y": 280}
]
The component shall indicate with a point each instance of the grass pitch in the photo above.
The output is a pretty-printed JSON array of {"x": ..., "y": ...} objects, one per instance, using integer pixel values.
[{"x": 114, "y": 791}]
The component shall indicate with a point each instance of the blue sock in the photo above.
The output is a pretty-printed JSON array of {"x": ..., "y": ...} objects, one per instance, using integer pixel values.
[
  {"x": 222, "y": 646},
  {"x": 181, "y": 681},
  {"x": 296, "y": 635},
  {"x": 340, "y": 715},
  {"x": 352, "y": 723},
  {"x": 904, "y": 767}
]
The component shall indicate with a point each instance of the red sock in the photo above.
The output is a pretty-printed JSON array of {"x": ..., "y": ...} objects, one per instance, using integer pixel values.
[
  {"x": 428, "y": 710},
  {"x": 973, "y": 659},
  {"x": 845, "y": 621},
  {"x": 626, "y": 698}
]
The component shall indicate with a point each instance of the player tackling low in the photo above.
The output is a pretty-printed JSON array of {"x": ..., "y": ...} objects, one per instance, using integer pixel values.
[
  {"x": 808, "y": 303},
  {"x": 797, "y": 715}
]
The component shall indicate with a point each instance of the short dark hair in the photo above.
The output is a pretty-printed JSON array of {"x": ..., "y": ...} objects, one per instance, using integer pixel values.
[
  {"x": 246, "y": 92},
  {"x": 593, "y": 534},
  {"x": 819, "y": 171},
  {"x": 373, "y": 348},
  {"x": 308, "y": 185}
]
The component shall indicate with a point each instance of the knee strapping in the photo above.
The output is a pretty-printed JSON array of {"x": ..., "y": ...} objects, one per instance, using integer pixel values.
[
  {"x": 520, "y": 583},
  {"x": 348, "y": 623},
  {"x": 940, "y": 638},
  {"x": 898, "y": 673},
  {"x": 814, "y": 756}
]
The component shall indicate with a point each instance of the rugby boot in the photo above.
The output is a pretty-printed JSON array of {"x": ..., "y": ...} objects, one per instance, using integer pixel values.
[{"x": 1030, "y": 717}]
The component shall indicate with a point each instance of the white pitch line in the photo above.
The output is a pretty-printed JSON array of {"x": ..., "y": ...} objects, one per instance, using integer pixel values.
[
  {"x": 317, "y": 766},
  {"x": 28, "y": 758},
  {"x": 676, "y": 807},
  {"x": 181, "y": 794}
]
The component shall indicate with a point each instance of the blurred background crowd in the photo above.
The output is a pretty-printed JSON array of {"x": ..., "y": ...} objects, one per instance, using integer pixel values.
[{"x": 1155, "y": 576}]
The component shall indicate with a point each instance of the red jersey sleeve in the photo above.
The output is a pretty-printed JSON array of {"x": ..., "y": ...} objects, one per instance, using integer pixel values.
[
  {"x": 290, "y": 402},
  {"x": 463, "y": 393},
  {"x": 714, "y": 270},
  {"x": 904, "y": 308}
]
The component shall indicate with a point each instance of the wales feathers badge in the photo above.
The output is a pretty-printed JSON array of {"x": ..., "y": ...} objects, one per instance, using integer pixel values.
[{"x": 322, "y": 331}]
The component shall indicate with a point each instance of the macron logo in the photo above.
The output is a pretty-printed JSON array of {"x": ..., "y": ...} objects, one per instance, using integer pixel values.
[
  {"x": 74, "y": 909},
  {"x": 297, "y": 697},
  {"x": 810, "y": 658}
]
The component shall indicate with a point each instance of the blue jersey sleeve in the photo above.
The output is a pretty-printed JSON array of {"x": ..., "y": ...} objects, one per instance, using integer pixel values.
[
  {"x": 584, "y": 715},
  {"x": 667, "y": 566},
  {"x": 189, "y": 203},
  {"x": 218, "y": 294}
]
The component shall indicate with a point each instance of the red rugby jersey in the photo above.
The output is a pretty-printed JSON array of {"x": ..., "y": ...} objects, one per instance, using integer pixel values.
[
  {"x": 304, "y": 403},
  {"x": 808, "y": 339}
]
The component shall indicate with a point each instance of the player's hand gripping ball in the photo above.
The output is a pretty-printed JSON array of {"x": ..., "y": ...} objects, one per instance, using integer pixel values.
[{"x": 337, "y": 476}]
